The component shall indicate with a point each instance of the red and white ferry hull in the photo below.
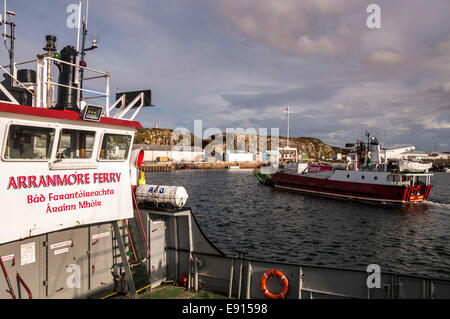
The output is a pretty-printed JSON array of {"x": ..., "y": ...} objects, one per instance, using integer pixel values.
[{"x": 353, "y": 190}]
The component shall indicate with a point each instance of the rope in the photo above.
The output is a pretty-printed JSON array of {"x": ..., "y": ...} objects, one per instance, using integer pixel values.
[{"x": 140, "y": 221}]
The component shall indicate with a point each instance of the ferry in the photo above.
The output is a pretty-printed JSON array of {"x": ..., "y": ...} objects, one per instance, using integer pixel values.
[
  {"x": 79, "y": 220},
  {"x": 369, "y": 174}
]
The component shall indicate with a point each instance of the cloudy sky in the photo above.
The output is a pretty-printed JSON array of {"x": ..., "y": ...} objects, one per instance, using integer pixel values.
[{"x": 239, "y": 63}]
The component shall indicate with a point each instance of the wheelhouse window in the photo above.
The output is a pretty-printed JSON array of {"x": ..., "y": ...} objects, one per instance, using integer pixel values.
[
  {"x": 29, "y": 142},
  {"x": 115, "y": 147},
  {"x": 394, "y": 178},
  {"x": 75, "y": 144}
]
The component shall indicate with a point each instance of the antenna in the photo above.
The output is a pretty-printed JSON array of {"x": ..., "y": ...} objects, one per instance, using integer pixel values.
[
  {"x": 4, "y": 21},
  {"x": 368, "y": 140},
  {"x": 87, "y": 12},
  {"x": 4, "y": 17},
  {"x": 94, "y": 38},
  {"x": 287, "y": 143},
  {"x": 78, "y": 26}
]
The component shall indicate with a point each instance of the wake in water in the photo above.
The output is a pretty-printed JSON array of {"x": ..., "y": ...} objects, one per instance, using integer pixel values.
[{"x": 440, "y": 205}]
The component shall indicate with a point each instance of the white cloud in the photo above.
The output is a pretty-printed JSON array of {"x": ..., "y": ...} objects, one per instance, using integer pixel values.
[
  {"x": 431, "y": 123},
  {"x": 294, "y": 27},
  {"x": 444, "y": 46},
  {"x": 323, "y": 45},
  {"x": 446, "y": 87},
  {"x": 240, "y": 62},
  {"x": 386, "y": 57}
]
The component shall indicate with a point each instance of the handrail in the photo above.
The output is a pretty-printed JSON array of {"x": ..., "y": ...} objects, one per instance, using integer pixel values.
[
  {"x": 105, "y": 74},
  {"x": 131, "y": 241},
  {"x": 94, "y": 97},
  {"x": 20, "y": 63},
  {"x": 45, "y": 83},
  {"x": 19, "y": 278},
  {"x": 45, "y": 87},
  {"x": 5, "y": 273},
  {"x": 74, "y": 87}
]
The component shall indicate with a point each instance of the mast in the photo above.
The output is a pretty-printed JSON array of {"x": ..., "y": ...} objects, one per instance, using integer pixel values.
[
  {"x": 288, "y": 133},
  {"x": 287, "y": 145},
  {"x": 84, "y": 24},
  {"x": 11, "y": 36},
  {"x": 77, "y": 58},
  {"x": 11, "y": 44}
]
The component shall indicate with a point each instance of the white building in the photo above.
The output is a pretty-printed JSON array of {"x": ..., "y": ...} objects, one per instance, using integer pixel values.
[
  {"x": 288, "y": 153},
  {"x": 173, "y": 153},
  {"x": 422, "y": 156},
  {"x": 236, "y": 156},
  {"x": 188, "y": 154},
  {"x": 273, "y": 156}
]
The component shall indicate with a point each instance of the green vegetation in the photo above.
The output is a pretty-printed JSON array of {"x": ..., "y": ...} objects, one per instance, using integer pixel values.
[{"x": 440, "y": 164}]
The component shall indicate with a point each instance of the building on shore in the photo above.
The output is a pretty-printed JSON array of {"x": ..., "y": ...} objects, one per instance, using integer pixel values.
[
  {"x": 156, "y": 153},
  {"x": 288, "y": 154},
  {"x": 239, "y": 156},
  {"x": 272, "y": 156}
]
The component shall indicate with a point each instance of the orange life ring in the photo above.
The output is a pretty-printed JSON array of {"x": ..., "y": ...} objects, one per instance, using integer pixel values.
[
  {"x": 351, "y": 167},
  {"x": 266, "y": 291}
]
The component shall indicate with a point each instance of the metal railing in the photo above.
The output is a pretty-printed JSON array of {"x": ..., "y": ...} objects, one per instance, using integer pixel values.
[{"x": 45, "y": 86}]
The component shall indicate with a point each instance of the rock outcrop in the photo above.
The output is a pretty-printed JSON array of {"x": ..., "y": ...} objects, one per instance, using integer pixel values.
[{"x": 306, "y": 146}]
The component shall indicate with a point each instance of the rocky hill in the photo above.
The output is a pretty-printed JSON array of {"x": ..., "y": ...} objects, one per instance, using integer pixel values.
[
  {"x": 313, "y": 147},
  {"x": 162, "y": 136}
]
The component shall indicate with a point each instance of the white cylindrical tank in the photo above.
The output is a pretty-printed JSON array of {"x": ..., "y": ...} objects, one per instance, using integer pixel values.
[{"x": 175, "y": 196}]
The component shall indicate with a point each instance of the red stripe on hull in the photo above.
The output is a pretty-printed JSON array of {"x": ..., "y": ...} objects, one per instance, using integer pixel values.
[
  {"x": 408, "y": 194},
  {"x": 375, "y": 192},
  {"x": 428, "y": 190}
]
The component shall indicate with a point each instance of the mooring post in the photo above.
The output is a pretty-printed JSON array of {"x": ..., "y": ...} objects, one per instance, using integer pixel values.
[
  {"x": 230, "y": 288},
  {"x": 249, "y": 278},
  {"x": 300, "y": 282},
  {"x": 241, "y": 257}
]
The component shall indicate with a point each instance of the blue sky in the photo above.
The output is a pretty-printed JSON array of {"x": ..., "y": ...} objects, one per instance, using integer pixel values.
[{"x": 239, "y": 63}]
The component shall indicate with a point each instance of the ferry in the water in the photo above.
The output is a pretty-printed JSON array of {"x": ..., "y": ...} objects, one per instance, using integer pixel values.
[
  {"x": 369, "y": 174},
  {"x": 68, "y": 173}
]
